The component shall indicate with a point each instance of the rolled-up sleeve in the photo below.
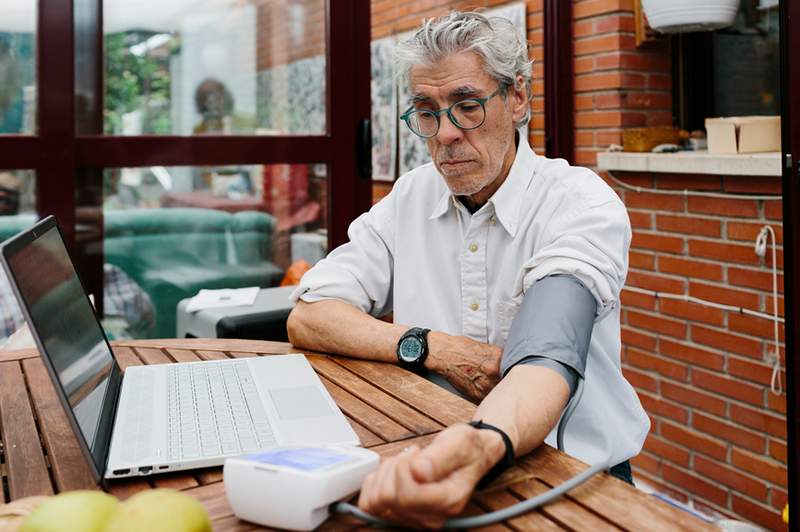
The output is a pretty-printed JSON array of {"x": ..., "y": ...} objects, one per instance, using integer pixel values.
[
  {"x": 359, "y": 272},
  {"x": 590, "y": 244}
]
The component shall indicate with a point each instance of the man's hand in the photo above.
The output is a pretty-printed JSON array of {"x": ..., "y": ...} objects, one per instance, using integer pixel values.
[
  {"x": 472, "y": 367},
  {"x": 423, "y": 488}
]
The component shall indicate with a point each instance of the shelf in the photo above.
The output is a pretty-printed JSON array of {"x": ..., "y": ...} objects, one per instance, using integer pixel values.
[{"x": 693, "y": 162}]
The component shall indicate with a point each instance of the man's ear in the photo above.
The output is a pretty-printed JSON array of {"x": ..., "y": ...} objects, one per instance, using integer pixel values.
[{"x": 519, "y": 98}]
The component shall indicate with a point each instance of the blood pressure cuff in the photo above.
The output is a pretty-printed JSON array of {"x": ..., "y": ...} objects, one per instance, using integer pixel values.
[{"x": 552, "y": 328}]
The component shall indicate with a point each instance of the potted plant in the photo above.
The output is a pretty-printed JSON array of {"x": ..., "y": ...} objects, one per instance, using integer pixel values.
[{"x": 674, "y": 16}]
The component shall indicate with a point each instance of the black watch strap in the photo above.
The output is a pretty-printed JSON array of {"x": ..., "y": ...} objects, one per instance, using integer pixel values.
[{"x": 507, "y": 460}]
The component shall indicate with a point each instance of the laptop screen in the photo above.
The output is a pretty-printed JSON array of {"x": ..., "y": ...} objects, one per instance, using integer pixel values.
[{"x": 69, "y": 335}]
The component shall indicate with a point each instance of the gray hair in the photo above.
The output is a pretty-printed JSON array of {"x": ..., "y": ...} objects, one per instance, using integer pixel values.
[{"x": 493, "y": 39}]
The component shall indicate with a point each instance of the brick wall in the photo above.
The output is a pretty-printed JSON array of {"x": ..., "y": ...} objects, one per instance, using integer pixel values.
[{"x": 703, "y": 374}]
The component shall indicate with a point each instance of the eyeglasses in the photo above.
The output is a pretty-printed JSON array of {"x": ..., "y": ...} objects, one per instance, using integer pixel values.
[{"x": 465, "y": 114}]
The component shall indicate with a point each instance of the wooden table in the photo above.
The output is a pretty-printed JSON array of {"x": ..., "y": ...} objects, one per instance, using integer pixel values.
[{"x": 387, "y": 406}]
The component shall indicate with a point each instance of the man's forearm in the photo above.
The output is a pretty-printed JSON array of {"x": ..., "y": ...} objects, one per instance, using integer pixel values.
[
  {"x": 526, "y": 405},
  {"x": 333, "y": 326}
]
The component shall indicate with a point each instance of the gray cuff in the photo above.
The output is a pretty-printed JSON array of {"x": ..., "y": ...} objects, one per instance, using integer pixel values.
[
  {"x": 554, "y": 322},
  {"x": 570, "y": 375}
]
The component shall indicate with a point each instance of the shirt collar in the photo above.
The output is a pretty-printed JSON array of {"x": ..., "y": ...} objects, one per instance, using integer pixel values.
[{"x": 508, "y": 198}]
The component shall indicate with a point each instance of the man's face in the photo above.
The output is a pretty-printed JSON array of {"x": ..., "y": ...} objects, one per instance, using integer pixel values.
[{"x": 469, "y": 160}]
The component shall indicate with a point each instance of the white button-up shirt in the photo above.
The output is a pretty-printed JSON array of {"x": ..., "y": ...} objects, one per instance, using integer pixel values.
[{"x": 420, "y": 254}]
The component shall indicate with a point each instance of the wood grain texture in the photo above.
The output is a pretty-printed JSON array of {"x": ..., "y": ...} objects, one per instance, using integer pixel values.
[
  {"x": 67, "y": 461},
  {"x": 26, "y": 468},
  {"x": 388, "y": 407}
]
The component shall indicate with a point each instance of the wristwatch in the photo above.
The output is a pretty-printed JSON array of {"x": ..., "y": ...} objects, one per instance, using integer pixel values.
[{"x": 412, "y": 349}]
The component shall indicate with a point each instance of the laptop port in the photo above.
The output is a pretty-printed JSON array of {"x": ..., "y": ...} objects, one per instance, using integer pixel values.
[
  {"x": 145, "y": 470},
  {"x": 121, "y": 471},
  {"x": 162, "y": 467}
]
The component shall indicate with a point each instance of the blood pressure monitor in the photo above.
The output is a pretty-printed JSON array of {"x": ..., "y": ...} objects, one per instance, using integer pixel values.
[{"x": 292, "y": 487}]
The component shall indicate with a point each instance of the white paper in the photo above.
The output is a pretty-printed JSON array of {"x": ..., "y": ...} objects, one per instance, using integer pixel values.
[{"x": 224, "y": 297}]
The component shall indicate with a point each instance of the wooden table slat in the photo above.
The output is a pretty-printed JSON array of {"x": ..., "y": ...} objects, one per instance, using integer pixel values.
[
  {"x": 123, "y": 488},
  {"x": 612, "y": 498},
  {"x": 368, "y": 438},
  {"x": 151, "y": 355},
  {"x": 175, "y": 481},
  {"x": 26, "y": 468},
  {"x": 209, "y": 475},
  {"x": 367, "y": 391},
  {"x": 126, "y": 357},
  {"x": 564, "y": 510},
  {"x": 530, "y": 521},
  {"x": 355, "y": 408},
  {"x": 67, "y": 461},
  {"x": 183, "y": 355},
  {"x": 422, "y": 394}
]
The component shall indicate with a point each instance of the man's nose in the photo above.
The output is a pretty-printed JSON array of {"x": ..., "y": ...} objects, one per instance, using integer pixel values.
[{"x": 448, "y": 132}]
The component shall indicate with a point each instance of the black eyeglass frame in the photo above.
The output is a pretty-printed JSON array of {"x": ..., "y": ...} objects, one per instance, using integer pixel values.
[{"x": 409, "y": 114}]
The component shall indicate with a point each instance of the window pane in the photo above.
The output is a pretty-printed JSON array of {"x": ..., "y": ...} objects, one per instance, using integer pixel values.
[
  {"x": 746, "y": 65},
  {"x": 188, "y": 67},
  {"x": 170, "y": 231},
  {"x": 18, "y": 67},
  {"x": 17, "y": 213}
]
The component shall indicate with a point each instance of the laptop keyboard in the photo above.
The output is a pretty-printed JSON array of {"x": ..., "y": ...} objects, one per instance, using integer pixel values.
[{"x": 214, "y": 409}]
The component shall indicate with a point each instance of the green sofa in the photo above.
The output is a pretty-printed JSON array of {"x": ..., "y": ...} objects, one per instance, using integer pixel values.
[{"x": 173, "y": 253}]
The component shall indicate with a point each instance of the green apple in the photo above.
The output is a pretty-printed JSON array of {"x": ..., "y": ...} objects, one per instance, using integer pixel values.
[
  {"x": 160, "y": 510},
  {"x": 72, "y": 511}
]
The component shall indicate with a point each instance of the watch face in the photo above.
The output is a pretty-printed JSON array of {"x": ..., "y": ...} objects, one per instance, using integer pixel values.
[{"x": 410, "y": 349}]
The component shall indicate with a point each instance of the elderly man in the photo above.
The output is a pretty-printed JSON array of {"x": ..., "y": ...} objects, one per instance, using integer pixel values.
[{"x": 502, "y": 270}]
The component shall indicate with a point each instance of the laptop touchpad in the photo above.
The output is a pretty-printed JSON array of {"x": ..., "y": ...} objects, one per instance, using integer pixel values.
[{"x": 300, "y": 402}]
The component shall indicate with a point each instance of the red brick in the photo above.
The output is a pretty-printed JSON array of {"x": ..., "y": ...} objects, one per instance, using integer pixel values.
[
  {"x": 635, "y": 299},
  {"x": 659, "y": 81},
  {"x": 693, "y": 355},
  {"x": 666, "y": 450},
  {"x": 777, "y": 402},
  {"x": 615, "y": 23},
  {"x": 608, "y": 100},
  {"x": 586, "y": 119},
  {"x": 659, "y": 118},
  {"x": 769, "y": 306},
  {"x": 646, "y": 100},
  {"x": 658, "y": 407},
  {"x": 727, "y": 252},
  {"x": 656, "y": 202},
  {"x": 639, "y": 379},
  {"x": 751, "y": 371},
  {"x": 692, "y": 397},
  {"x": 728, "y": 387},
  {"x": 638, "y": 338},
  {"x": 682, "y": 182},
  {"x": 731, "y": 478},
  {"x": 657, "y": 242},
  {"x": 749, "y": 231},
  {"x": 584, "y": 101},
  {"x": 732, "y": 433},
  {"x": 692, "y": 311},
  {"x": 638, "y": 259},
  {"x": 695, "y": 441},
  {"x": 583, "y": 28},
  {"x": 759, "y": 420},
  {"x": 778, "y": 451},
  {"x": 646, "y": 462},
  {"x": 690, "y": 268},
  {"x": 723, "y": 207},
  {"x": 584, "y": 138},
  {"x": 694, "y": 484},
  {"x": 688, "y": 224},
  {"x": 606, "y": 138},
  {"x": 584, "y": 64},
  {"x": 758, "y": 513},
  {"x": 663, "y": 487},
  {"x": 778, "y": 498},
  {"x": 586, "y": 158},
  {"x": 674, "y": 328},
  {"x": 726, "y": 341},
  {"x": 761, "y": 467},
  {"x": 753, "y": 185},
  {"x": 636, "y": 179},
  {"x": 724, "y": 294},
  {"x": 667, "y": 368},
  {"x": 598, "y": 7},
  {"x": 752, "y": 325},
  {"x": 643, "y": 220},
  {"x": 753, "y": 278},
  {"x": 773, "y": 210},
  {"x": 659, "y": 283}
]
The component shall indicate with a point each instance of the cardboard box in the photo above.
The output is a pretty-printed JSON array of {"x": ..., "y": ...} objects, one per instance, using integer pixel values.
[{"x": 744, "y": 134}]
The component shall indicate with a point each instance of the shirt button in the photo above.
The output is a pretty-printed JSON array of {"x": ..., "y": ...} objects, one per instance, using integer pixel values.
[
  {"x": 492, "y": 220},
  {"x": 473, "y": 247},
  {"x": 474, "y": 306}
]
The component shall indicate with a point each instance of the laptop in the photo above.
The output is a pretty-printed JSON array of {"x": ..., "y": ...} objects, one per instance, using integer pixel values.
[{"x": 158, "y": 418}]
